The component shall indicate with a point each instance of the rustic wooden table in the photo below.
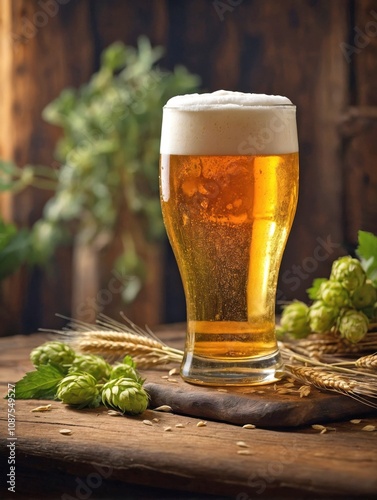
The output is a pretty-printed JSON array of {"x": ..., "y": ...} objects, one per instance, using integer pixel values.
[{"x": 120, "y": 457}]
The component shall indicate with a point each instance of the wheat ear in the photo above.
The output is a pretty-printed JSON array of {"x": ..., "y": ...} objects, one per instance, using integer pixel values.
[
  {"x": 114, "y": 340},
  {"x": 362, "y": 391}
]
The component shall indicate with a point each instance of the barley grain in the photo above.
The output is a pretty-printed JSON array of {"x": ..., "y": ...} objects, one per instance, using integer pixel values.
[
  {"x": 42, "y": 408},
  {"x": 242, "y": 444},
  {"x": 369, "y": 428},
  {"x": 65, "y": 432},
  {"x": 318, "y": 427},
  {"x": 147, "y": 422},
  {"x": 165, "y": 408}
]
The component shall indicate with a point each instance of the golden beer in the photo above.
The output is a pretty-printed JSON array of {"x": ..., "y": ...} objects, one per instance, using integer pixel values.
[{"x": 228, "y": 217}]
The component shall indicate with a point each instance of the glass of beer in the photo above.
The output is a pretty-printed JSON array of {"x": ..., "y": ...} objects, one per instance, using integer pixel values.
[{"x": 229, "y": 187}]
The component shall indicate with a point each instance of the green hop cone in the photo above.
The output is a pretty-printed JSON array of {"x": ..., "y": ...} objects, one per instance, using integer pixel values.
[
  {"x": 322, "y": 317},
  {"x": 79, "y": 389},
  {"x": 125, "y": 395},
  {"x": 122, "y": 370},
  {"x": 295, "y": 320},
  {"x": 364, "y": 296},
  {"x": 92, "y": 364},
  {"x": 353, "y": 325},
  {"x": 55, "y": 353},
  {"x": 348, "y": 272},
  {"x": 333, "y": 294}
]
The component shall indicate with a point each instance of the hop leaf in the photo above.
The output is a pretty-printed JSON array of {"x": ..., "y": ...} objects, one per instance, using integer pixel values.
[
  {"x": 295, "y": 319},
  {"x": 54, "y": 353},
  {"x": 353, "y": 325},
  {"x": 322, "y": 317},
  {"x": 79, "y": 389},
  {"x": 125, "y": 395},
  {"x": 348, "y": 272},
  {"x": 92, "y": 364}
]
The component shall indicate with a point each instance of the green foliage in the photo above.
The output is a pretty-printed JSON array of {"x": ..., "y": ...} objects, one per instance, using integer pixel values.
[
  {"x": 109, "y": 155},
  {"x": 86, "y": 385},
  {"x": 14, "y": 248},
  {"x": 367, "y": 253},
  {"x": 40, "y": 383},
  {"x": 346, "y": 303}
]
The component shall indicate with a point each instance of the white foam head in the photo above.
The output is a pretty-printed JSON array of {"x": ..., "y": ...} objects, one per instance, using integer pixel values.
[{"x": 229, "y": 123}]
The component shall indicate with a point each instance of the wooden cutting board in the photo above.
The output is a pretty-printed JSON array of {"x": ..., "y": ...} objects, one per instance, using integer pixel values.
[{"x": 264, "y": 406}]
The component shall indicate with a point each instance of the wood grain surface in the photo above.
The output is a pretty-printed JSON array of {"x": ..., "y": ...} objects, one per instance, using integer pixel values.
[{"x": 115, "y": 456}]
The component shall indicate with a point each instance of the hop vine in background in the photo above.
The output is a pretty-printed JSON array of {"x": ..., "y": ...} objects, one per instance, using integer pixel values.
[
  {"x": 345, "y": 304},
  {"x": 108, "y": 155}
]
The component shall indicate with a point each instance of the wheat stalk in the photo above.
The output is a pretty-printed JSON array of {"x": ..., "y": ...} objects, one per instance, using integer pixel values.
[
  {"x": 369, "y": 362},
  {"x": 319, "y": 345},
  {"x": 114, "y": 340},
  {"x": 362, "y": 390}
]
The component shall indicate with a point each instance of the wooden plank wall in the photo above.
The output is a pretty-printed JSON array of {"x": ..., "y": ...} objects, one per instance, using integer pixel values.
[{"x": 298, "y": 48}]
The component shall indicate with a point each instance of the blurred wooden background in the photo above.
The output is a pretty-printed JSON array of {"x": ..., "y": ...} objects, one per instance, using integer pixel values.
[{"x": 320, "y": 54}]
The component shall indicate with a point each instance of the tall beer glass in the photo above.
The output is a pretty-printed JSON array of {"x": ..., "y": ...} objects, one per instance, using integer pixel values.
[{"x": 229, "y": 185}]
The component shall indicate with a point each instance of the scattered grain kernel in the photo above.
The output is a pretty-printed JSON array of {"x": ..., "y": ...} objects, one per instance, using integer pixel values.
[
  {"x": 65, "y": 432},
  {"x": 249, "y": 426},
  {"x": 369, "y": 428},
  {"x": 242, "y": 444},
  {"x": 355, "y": 420},
  {"x": 42, "y": 408},
  {"x": 282, "y": 391},
  {"x": 222, "y": 390},
  {"x": 156, "y": 420},
  {"x": 304, "y": 391},
  {"x": 173, "y": 371},
  {"x": 201, "y": 424},
  {"x": 165, "y": 408},
  {"x": 289, "y": 384},
  {"x": 174, "y": 380},
  {"x": 318, "y": 427},
  {"x": 180, "y": 426},
  {"x": 147, "y": 422},
  {"x": 323, "y": 431},
  {"x": 167, "y": 429},
  {"x": 114, "y": 413},
  {"x": 243, "y": 452},
  {"x": 165, "y": 376},
  {"x": 260, "y": 392}
]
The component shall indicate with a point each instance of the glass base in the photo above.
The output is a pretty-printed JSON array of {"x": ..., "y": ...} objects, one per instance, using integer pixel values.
[{"x": 251, "y": 371}]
